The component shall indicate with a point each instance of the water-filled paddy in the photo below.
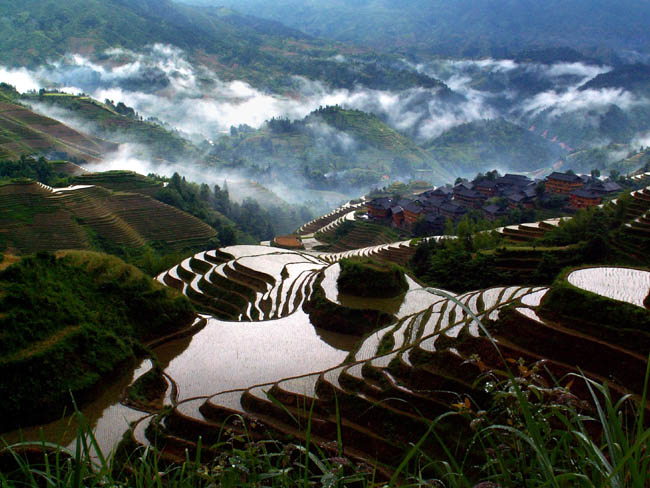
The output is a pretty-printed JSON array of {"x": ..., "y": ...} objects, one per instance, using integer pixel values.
[
  {"x": 237, "y": 355},
  {"x": 108, "y": 418},
  {"x": 230, "y": 355},
  {"x": 623, "y": 284}
]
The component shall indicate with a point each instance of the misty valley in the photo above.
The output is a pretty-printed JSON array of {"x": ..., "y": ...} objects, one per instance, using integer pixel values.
[{"x": 345, "y": 244}]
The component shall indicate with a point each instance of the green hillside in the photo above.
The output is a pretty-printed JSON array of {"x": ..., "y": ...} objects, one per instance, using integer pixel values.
[
  {"x": 370, "y": 130},
  {"x": 235, "y": 46},
  {"x": 69, "y": 322},
  {"x": 621, "y": 158},
  {"x": 482, "y": 145},
  {"x": 631, "y": 77},
  {"x": 107, "y": 123},
  {"x": 332, "y": 148},
  {"x": 462, "y": 27},
  {"x": 23, "y": 131},
  {"x": 587, "y": 128},
  {"x": 35, "y": 218}
]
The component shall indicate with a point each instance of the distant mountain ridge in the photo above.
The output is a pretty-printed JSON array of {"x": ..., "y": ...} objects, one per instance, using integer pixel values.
[
  {"x": 463, "y": 27},
  {"x": 233, "y": 45}
]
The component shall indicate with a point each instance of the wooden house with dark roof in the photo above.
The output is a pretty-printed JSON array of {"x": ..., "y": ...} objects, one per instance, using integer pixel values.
[
  {"x": 511, "y": 182},
  {"x": 451, "y": 211},
  {"x": 468, "y": 198},
  {"x": 379, "y": 208},
  {"x": 412, "y": 213},
  {"x": 486, "y": 187},
  {"x": 494, "y": 212},
  {"x": 583, "y": 198},
  {"x": 397, "y": 213},
  {"x": 563, "y": 183},
  {"x": 603, "y": 187},
  {"x": 440, "y": 193},
  {"x": 520, "y": 199}
]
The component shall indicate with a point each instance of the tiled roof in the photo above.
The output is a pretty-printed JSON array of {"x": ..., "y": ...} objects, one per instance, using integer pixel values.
[
  {"x": 466, "y": 192},
  {"x": 452, "y": 208},
  {"x": 512, "y": 179},
  {"x": 413, "y": 208},
  {"x": 435, "y": 219},
  {"x": 569, "y": 178},
  {"x": 494, "y": 209},
  {"x": 383, "y": 203},
  {"x": 582, "y": 193},
  {"x": 486, "y": 184}
]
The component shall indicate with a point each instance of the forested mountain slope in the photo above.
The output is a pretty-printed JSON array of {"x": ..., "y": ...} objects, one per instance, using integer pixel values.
[
  {"x": 332, "y": 148},
  {"x": 233, "y": 45},
  {"x": 463, "y": 27}
]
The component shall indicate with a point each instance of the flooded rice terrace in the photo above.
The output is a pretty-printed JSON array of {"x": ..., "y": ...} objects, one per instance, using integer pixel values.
[
  {"x": 224, "y": 355},
  {"x": 272, "y": 339}
]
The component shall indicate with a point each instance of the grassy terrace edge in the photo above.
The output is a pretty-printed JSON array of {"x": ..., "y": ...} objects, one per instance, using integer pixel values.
[{"x": 70, "y": 321}]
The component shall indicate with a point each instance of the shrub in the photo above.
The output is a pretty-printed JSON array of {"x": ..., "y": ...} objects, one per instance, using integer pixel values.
[{"x": 369, "y": 278}]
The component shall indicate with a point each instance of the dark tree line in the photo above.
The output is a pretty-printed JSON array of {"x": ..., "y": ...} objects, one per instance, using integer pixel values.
[{"x": 215, "y": 207}]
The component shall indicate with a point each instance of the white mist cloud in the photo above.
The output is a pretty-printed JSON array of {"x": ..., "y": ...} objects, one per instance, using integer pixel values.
[
  {"x": 586, "y": 71},
  {"x": 326, "y": 136},
  {"x": 565, "y": 79},
  {"x": 574, "y": 100},
  {"x": 22, "y": 79},
  {"x": 134, "y": 157},
  {"x": 487, "y": 64},
  {"x": 641, "y": 140},
  {"x": 161, "y": 82}
]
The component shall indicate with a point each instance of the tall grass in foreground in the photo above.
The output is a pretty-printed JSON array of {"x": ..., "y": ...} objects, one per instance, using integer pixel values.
[{"x": 533, "y": 433}]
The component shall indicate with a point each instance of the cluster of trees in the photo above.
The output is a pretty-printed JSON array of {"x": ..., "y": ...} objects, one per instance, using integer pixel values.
[
  {"x": 39, "y": 169},
  {"x": 235, "y": 222},
  {"x": 122, "y": 109},
  {"x": 370, "y": 278}
]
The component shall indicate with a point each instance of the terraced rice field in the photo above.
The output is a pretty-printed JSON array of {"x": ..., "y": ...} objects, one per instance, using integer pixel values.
[
  {"x": 36, "y": 218},
  {"x": 323, "y": 221},
  {"x": 623, "y": 284},
  {"x": 261, "y": 358},
  {"x": 25, "y": 132},
  {"x": 642, "y": 177},
  {"x": 254, "y": 283},
  {"x": 125, "y": 181},
  {"x": 416, "y": 366}
]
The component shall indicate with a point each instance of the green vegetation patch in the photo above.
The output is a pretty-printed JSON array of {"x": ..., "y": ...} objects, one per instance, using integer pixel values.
[
  {"x": 621, "y": 323},
  {"x": 68, "y": 322},
  {"x": 148, "y": 391},
  {"x": 370, "y": 278},
  {"x": 330, "y": 316}
]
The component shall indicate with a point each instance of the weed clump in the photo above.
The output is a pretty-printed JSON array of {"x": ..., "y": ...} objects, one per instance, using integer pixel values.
[{"x": 369, "y": 278}]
